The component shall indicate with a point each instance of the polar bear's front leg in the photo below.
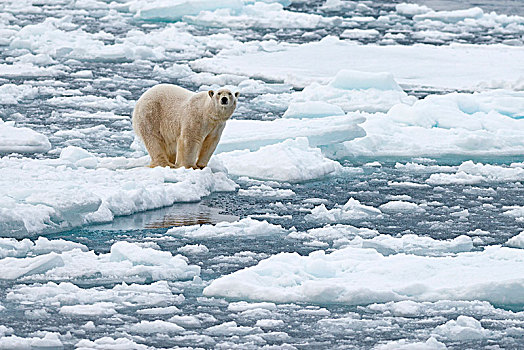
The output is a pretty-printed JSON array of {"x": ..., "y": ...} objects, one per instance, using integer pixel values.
[{"x": 187, "y": 151}]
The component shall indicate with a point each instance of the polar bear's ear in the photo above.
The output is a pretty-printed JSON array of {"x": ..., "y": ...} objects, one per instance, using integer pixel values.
[
  {"x": 237, "y": 94},
  {"x": 211, "y": 93}
]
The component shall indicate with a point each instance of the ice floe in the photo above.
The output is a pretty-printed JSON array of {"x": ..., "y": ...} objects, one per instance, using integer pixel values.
[
  {"x": 470, "y": 172},
  {"x": 463, "y": 328},
  {"x": 516, "y": 241},
  {"x": 351, "y": 210},
  {"x": 351, "y": 91},
  {"x": 126, "y": 262},
  {"x": 298, "y": 64},
  {"x": 21, "y": 140},
  {"x": 457, "y": 123},
  {"x": 49, "y": 340},
  {"x": 245, "y": 228},
  {"x": 292, "y": 160},
  {"x": 403, "y": 344},
  {"x": 262, "y": 15},
  {"x": 359, "y": 276},
  {"x": 253, "y": 134},
  {"x": 59, "y": 194}
]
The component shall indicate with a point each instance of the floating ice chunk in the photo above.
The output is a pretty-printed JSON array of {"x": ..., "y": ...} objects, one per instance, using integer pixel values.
[
  {"x": 15, "y": 248},
  {"x": 298, "y": 64},
  {"x": 11, "y": 94},
  {"x": 230, "y": 329},
  {"x": 447, "y": 124},
  {"x": 464, "y": 328},
  {"x": 346, "y": 235},
  {"x": 186, "y": 321},
  {"x": 28, "y": 70},
  {"x": 50, "y": 340},
  {"x": 125, "y": 251},
  {"x": 14, "y": 268},
  {"x": 79, "y": 157},
  {"x": 451, "y": 16},
  {"x": 404, "y": 344},
  {"x": 400, "y": 206},
  {"x": 43, "y": 246},
  {"x": 53, "y": 196},
  {"x": 357, "y": 80},
  {"x": 106, "y": 343},
  {"x": 460, "y": 178},
  {"x": 312, "y": 109},
  {"x": 244, "y": 228},
  {"x": 350, "y": 276},
  {"x": 95, "y": 115},
  {"x": 413, "y": 244},
  {"x": 266, "y": 191},
  {"x": 289, "y": 161},
  {"x": 253, "y": 134},
  {"x": 515, "y": 211},
  {"x": 168, "y": 310},
  {"x": 470, "y": 172},
  {"x": 97, "y": 309},
  {"x": 352, "y": 210},
  {"x": 95, "y": 102},
  {"x": 337, "y": 235},
  {"x": 516, "y": 241},
  {"x": 411, "y": 9},
  {"x": 175, "y": 10},
  {"x": 375, "y": 164},
  {"x": 157, "y": 326},
  {"x": 241, "y": 306},
  {"x": 125, "y": 262},
  {"x": 83, "y": 74},
  {"x": 261, "y": 15},
  {"x": 356, "y": 91},
  {"x": 53, "y": 295},
  {"x": 21, "y": 140},
  {"x": 407, "y": 184},
  {"x": 356, "y": 33},
  {"x": 270, "y": 324},
  {"x": 62, "y": 38},
  {"x": 193, "y": 249}
]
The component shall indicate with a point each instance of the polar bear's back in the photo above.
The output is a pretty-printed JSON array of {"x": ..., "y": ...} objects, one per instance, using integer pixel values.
[
  {"x": 168, "y": 94},
  {"x": 159, "y": 109}
]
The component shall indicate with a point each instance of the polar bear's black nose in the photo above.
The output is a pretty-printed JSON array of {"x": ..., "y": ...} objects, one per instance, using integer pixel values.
[{"x": 223, "y": 100}]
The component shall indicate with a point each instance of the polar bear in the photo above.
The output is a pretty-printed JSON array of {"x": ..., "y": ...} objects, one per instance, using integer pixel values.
[{"x": 181, "y": 128}]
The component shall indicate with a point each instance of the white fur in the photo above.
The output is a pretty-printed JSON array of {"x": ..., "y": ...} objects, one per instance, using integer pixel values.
[{"x": 180, "y": 127}]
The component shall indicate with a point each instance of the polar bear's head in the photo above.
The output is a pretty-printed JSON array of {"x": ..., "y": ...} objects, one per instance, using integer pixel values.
[{"x": 224, "y": 102}]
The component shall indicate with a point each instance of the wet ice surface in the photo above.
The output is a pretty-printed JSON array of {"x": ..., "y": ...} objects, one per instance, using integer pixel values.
[{"x": 77, "y": 85}]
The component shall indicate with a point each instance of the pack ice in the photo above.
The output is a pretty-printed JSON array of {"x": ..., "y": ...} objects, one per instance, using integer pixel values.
[
  {"x": 58, "y": 194},
  {"x": 359, "y": 276}
]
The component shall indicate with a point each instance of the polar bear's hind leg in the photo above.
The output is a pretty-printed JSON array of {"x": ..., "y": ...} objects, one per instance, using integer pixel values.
[{"x": 158, "y": 153}]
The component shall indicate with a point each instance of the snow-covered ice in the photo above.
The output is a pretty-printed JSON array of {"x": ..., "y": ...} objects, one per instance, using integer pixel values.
[
  {"x": 21, "y": 140},
  {"x": 245, "y": 227},
  {"x": 290, "y": 161},
  {"x": 516, "y": 241},
  {"x": 253, "y": 134},
  {"x": 358, "y": 276},
  {"x": 59, "y": 194},
  {"x": 298, "y": 64},
  {"x": 351, "y": 210},
  {"x": 126, "y": 261}
]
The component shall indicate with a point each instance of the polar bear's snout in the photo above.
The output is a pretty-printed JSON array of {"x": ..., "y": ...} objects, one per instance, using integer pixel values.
[{"x": 224, "y": 100}]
